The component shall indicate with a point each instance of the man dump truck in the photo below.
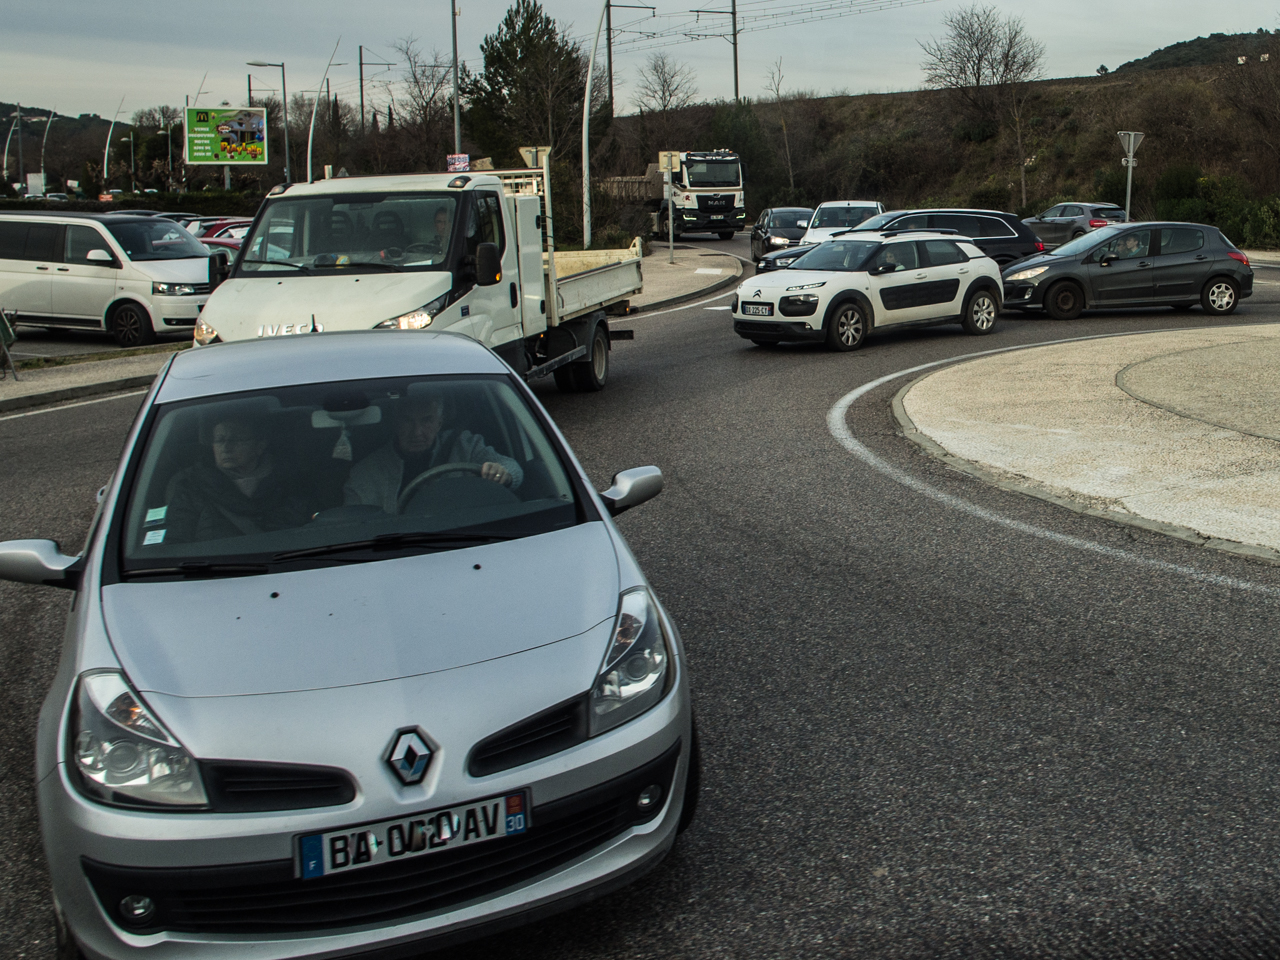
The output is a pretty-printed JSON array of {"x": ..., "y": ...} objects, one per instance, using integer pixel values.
[
  {"x": 707, "y": 194},
  {"x": 471, "y": 253}
]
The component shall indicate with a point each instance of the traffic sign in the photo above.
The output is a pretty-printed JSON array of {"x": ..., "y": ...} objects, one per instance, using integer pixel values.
[
  {"x": 669, "y": 160},
  {"x": 1130, "y": 139},
  {"x": 533, "y": 156}
]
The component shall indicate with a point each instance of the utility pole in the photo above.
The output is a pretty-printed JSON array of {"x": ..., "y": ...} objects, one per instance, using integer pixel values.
[
  {"x": 457, "y": 121},
  {"x": 249, "y": 76},
  {"x": 608, "y": 48},
  {"x": 733, "y": 39},
  {"x": 46, "y": 140},
  {"x": 22, "y": 170},
  {"x": 361, "y": 91}
]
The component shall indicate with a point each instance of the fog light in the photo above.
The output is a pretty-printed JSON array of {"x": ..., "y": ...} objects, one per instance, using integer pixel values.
[
  {"x": 649, "y": 797},
  {"x": 137, "y": 908}
]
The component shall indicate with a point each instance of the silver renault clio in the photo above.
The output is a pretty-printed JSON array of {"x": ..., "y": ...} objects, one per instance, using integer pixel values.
[{"x": 357, "y": 660}]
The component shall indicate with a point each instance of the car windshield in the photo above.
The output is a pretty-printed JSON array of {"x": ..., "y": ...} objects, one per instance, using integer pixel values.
[
  {"x": 1082, "y": 245},
  {"x": 155, "y": 239},
  {"x": 876, "y": 222},
  {"x": 712, "y": 173},
  {"x": 836, "y": 255},
  {"x": 789, "y": 219},
  {"x": 359, "y": 232},
  {"x": 340, "y": 472},
  {"x": 835, "y": 217}
]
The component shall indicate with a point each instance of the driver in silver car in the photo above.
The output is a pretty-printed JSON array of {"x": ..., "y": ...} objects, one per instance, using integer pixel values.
[{"x": 420, "y": 445}]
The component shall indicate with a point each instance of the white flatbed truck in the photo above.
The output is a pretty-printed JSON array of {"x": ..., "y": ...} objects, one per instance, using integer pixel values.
[{"x": 471, "y": 253}]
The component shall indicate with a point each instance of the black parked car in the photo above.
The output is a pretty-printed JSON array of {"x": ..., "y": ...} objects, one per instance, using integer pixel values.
[
  {"x": 1133, "y": 265},
  {"x": 1001, "y": 236},
  {"x": 780, "y": 259},
  {"x": 778, "y": 228}
]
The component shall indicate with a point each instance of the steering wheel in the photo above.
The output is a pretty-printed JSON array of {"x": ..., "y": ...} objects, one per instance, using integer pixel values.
[
  {"x": 422, "y": 248},
  {"x": 430, "y": 476}
]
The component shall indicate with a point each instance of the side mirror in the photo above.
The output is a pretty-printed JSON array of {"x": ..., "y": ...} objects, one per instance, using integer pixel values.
[
  {"x": 38, "y": 561},
  {"x": 99, "y": 256},
  {"x": 1107, "y": 259},
  {"x": 632, "y": 488},
  {"x": 881, "y": 269},
  {"x": 488, "y": 265},
  {"x": 219, "y": 268}
]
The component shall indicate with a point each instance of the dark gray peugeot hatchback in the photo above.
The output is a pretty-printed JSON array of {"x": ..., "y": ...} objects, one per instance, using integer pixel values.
[{"x": 1133, "y": 265}]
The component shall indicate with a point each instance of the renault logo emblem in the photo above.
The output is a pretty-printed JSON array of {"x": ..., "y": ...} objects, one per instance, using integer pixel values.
[{"x": 409, "y": 756}]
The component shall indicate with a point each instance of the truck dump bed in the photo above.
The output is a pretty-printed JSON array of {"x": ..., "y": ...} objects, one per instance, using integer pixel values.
[{"x": 590, "y": 280}]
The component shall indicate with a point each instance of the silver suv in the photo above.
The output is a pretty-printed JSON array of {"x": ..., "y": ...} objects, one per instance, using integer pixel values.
[{"x": 1067, "y": 221}]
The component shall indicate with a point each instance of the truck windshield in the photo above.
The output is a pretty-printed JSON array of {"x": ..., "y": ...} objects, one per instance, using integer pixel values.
[
  {"x": 344, "y": 471},
  {"x": 359, "y": 232},
  {"x": 712, "y": 173}
]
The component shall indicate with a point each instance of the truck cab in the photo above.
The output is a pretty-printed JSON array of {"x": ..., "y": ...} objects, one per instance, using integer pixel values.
[{"x": 707, "y": 195}]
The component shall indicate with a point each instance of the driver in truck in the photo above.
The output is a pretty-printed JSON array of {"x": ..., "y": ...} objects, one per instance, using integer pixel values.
[{"x": 421, "y": 444}]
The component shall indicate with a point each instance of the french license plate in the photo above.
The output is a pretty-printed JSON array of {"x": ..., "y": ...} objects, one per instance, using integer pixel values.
[
  {"x": 354, "y": 848},
  {"x": 717, "y": 216},
  {"x": 757, "y": 309}
]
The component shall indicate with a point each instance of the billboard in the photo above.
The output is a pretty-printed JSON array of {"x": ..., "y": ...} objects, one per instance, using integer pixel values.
[
  {"x": 459, "y": 162},
  {"x": 227, "y": 135}
]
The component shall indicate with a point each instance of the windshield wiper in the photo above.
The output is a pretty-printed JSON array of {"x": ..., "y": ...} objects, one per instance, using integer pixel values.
[
  {"x": 279, "y": 263},
  {"x": 394, "y": 541},
  {"x": 369, "y": 263},
  {"x": 197, "y": 569}
]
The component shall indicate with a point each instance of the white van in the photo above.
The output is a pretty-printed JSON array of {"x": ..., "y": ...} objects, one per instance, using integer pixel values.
[
  {"x": 134, "y": 277},
  {"x": 835, "y": 216}
]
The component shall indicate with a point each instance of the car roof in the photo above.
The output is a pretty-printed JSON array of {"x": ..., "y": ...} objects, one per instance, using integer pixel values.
[
  {"x": 113, "y": 217},
  {"x": 990, "y": 213},
  {"x": 847, "y": 203},
  {"x": 311, "y": 358}
]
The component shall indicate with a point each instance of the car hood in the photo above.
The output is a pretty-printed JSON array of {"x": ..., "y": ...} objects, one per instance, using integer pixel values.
[
  {"x": 1037, "y": 260},
  {"x": 777, "y": 282},
  {"x": 186, "y": 270},
  {"x": 245, "y": 308},
  {"x": 364, "y": 622}
]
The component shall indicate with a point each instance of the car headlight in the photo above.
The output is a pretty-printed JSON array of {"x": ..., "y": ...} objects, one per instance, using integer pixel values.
[
  {"x": 1027, "y": 274},
  {"x": 778, "y": 241},
  {"x": 636, "y": 667},
  {"x": 416, "y": 319},
  {"x": 122, "y": 755},
  {"x": 174, "y": 289},
  {"x": 808, "y": 286},
  {"x": 785, "y": 261},
  {"x": 205, "y": 334}
]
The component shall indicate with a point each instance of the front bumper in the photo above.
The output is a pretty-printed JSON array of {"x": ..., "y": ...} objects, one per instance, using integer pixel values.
[
  {"x": 776, "y": 331},
  {"x": 225, "y": 887},
  {"x": 177, "y": 311},
  {"x": 1023, "y": 295},
  {"x": 695, "y": 221}
]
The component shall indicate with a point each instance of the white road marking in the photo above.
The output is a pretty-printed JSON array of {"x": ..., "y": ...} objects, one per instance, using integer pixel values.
[
  {"x": 687, "y": 306},
  {"x": 81, "y": 403},
  {"x": 719, "y": 308},
  {"x": 839, "y": 428}
]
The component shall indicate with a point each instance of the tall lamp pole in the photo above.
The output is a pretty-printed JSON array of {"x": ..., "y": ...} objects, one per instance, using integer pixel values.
[
  {"x": 586, "y": 135},
  {"x": 133, "y": 170},
  {"x": 457, "y": 123},
  {"x": 46, "y": 140},
  {"x": 284, "y": 100}
]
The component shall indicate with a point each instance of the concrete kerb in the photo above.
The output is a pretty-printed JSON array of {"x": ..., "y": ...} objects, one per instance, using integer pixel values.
[
  {"x": 687, "y": 297},
  {"x": 75, "y": 393},
  {"x": 1016, "y": 484}
]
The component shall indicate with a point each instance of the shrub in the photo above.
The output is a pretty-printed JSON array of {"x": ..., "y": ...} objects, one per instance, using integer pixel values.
[{"x": 990, "y": 196}]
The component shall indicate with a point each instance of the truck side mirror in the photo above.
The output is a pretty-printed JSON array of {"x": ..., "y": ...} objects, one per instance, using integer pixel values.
[
  {"x": 219, "y": 268},
  {"x": 488, "y": 265}
]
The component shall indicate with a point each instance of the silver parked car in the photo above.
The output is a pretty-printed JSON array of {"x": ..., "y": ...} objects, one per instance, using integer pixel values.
[
  {"x": 357, "y": 659},
  {"x": 1066, "y": 221}
]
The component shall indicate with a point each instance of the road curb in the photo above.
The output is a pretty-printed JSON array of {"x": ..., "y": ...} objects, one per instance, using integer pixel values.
[
  {"x": 74, "y": 393},
  {"x": 1017, "y": 484},
  {"x": 687, "y": 297}
]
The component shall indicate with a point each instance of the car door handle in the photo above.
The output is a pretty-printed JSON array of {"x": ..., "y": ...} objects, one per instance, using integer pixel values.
[
  {"x": 922, "y": 276},
  {"x": 1143, "y": 263},
  {"x": 42, "y": 268},
  {"x": 64, "y": 269},
  {"x": 1201, "y": 256},
  {"x": 963, "y": 270}
]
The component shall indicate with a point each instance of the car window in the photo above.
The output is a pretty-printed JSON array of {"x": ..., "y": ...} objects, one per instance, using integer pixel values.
[
  {"x": 156, "y": 239},
  {"x": 901, "y": 256},
  {"x": 916, "y": 221},
  {"x": 80, "y": 240},
  {"x": 826, "y": 218},
  {"x": 1128, "y": 246},
  {"x": 1180, "y": 240},
  {"x": 488, "y": 216},
  {"x": 42, "y": 239},
  {"x": 943, "y": 252},
  {"x": 1108, "y": 213},
  {"x": 13, "y": 237},
  {"x": 1052, "y": 212},
  {"x": 962, "y": 223},
  {"x": 1072, "y": 211},
  {"x": 258, "y": 474},
  {"x": 787, "y": 219},
  {"x": 836, "y": 255},
  {"x": 991, "y": 228}
]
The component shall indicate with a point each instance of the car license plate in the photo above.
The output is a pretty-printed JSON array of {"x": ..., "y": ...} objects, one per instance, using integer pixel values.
[
  {"x": 717, "y": 216},
  {"x": 354, "y": 848},
  {"x": 757, "y": 309}
]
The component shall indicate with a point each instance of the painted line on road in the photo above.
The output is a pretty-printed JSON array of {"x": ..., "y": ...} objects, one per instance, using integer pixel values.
[
  {"x": 68, "y": 406},
  {"x": 839, "y": 429},
  {"x": 688, "y": 306}
]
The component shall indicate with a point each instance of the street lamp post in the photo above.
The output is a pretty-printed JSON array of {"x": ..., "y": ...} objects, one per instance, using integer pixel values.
[
  {"x": 133, "y": 170},
  {"x": 284, "y": 99}
]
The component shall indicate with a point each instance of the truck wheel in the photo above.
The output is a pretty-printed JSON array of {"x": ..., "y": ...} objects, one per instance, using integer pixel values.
[
  {"x": 590, "y": 376},
  {"x": 131, "y": 326},
  {"x": 662, "y": 228},
  {"x": 564, "y": 379},
  {"x": 726, "y": 234}
]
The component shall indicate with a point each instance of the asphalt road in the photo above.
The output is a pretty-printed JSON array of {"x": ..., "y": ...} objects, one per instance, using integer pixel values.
[{"x": 926, "y": 733}]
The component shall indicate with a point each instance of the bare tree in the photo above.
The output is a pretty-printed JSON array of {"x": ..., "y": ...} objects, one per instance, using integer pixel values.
[
  {"x": 987, "y": 61},
  {"x": 427, "y": 86},
  {"x": 665, "y": 85},
  {"x": 774, "y": 87}
]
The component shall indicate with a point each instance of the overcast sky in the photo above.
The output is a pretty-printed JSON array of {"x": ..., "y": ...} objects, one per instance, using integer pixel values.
[{"x": 83, "y": 57}]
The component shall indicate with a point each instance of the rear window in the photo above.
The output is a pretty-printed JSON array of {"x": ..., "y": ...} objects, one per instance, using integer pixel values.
[
  {"x": 962, "y": 223},
  {"x": 991, "y": 228},
  {"x": 1107, "y": 213}
]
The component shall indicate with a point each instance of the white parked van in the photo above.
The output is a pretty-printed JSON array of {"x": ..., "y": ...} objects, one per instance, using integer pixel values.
[
  {"x": 132, "y": 276},
  {"x": 835, "y": 216}
]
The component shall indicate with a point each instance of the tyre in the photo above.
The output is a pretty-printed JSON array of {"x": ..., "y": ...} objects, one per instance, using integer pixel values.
[
  {"x": 1220, "y": 296},
  {"x": 565, "y": 379},
  {"x": 662, "y": 228},
  {"x": 64, "y": 945},
  {"x": 726, "y": 234},
  {"x": 846, "y": 326},
  {"x": 590, "y": 376},
  {"x": 692, "y": 783},
  {"x": 1077, "y": 235},
  {"x": 979, "y": 315},
  {"x": 1064, "y": 300},
  {"x": 131, "y": 326}
]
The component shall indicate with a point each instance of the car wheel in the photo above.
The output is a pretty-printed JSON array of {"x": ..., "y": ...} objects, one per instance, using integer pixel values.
[
  {"x": 590, "y": 376},
  {"x": 979, "y": 315},
  {"x": 1064, "y": 300},
  {"x": 846, "y": 327},
  {"x": 131, "y": 326},
  {"x": 693, "y": 781},
  {"x": 726, "y": 234},
  {"x": 64, "y": 945},
  {"x": 1220, "y": 296},
  {"x": 1077, "y": 235}
]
